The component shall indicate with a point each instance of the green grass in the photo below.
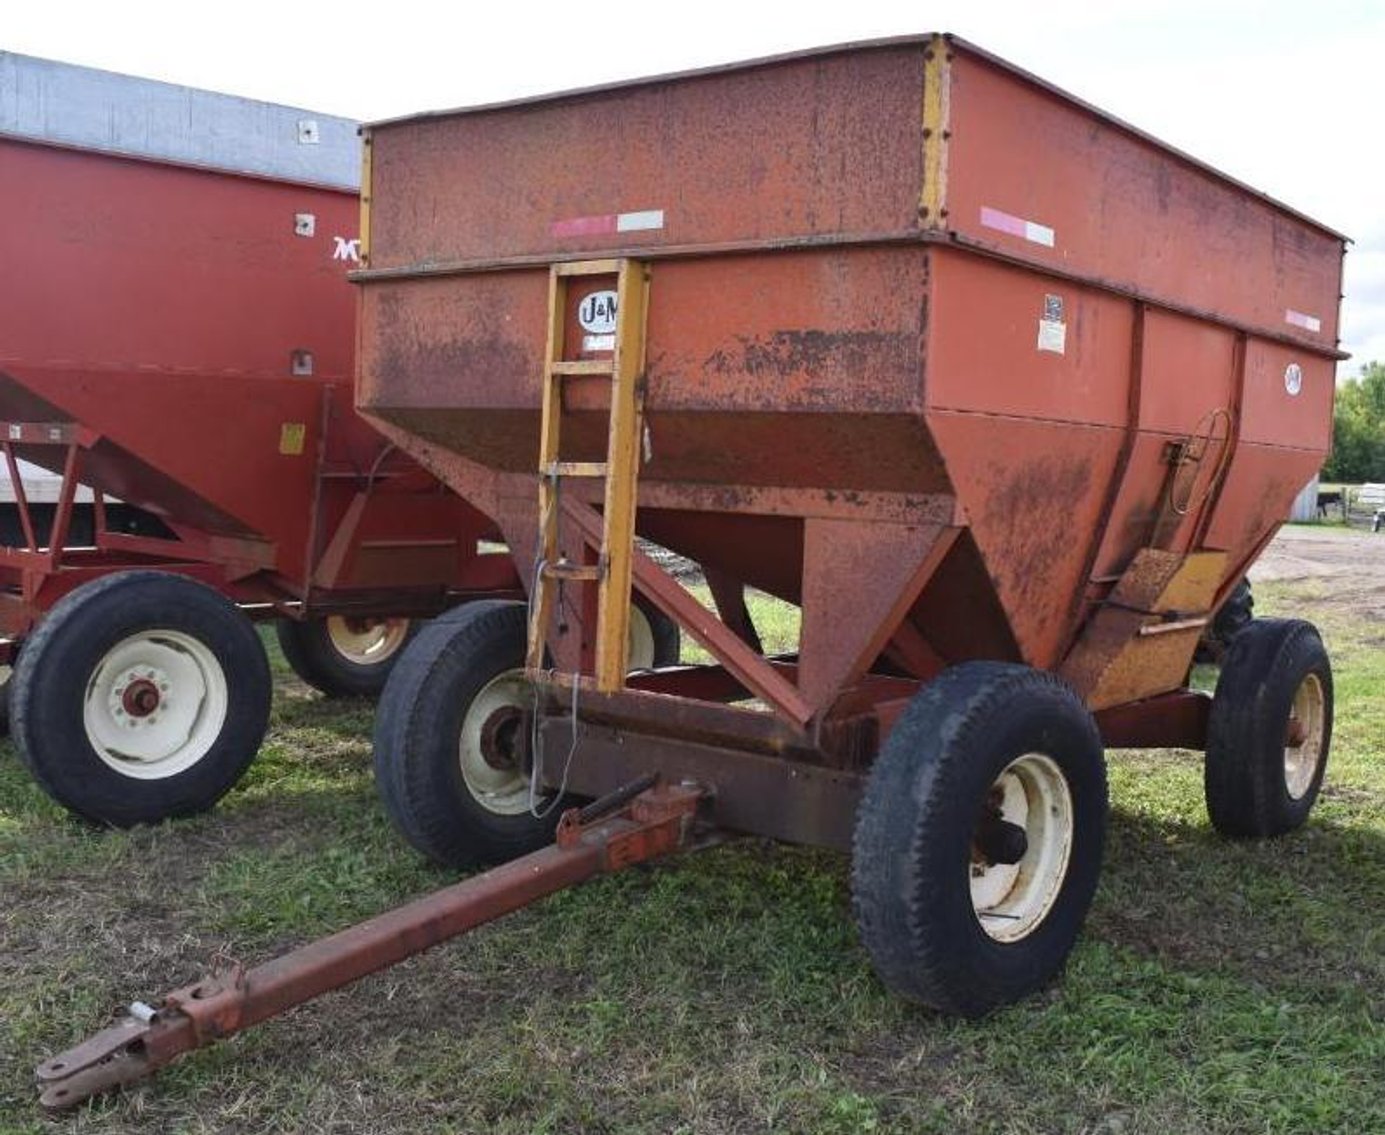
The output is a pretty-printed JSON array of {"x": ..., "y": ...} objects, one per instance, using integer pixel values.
[
  {"x": 776, "y": 622},
  {"x": 1219, "y": 987}
]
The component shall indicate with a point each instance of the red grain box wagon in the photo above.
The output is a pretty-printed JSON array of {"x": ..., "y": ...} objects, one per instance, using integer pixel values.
[
  {"x": 1002, "y": 394},
  {"x": 178, "y": 332}
]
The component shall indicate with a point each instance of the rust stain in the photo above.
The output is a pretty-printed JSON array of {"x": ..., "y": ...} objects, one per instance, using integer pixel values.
[
  {"x": 814, "y": 353},
  {"x": 1035, "y": 551}
]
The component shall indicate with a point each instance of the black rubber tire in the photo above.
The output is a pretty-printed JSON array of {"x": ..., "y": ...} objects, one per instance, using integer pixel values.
[
  {"x": 1244, "y": 776},
  {"x": 911, "y": 857},
  {"x": 417, "y": 729},
  {"x": 64, "y": 653},
  {"x": 668, "y": 640},
  {"x": 1231, "y": 619},
  {"x": 308, "y": 648}
]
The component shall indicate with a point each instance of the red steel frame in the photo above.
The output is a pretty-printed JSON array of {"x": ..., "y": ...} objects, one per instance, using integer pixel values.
[{"x": 39, "y": 574}]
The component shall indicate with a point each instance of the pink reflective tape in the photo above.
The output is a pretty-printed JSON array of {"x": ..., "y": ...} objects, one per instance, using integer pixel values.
[
  {"x": 1031, "y": 231},
  {"x": 1307, "y": 322},
  {"x": 584, "y": 226},
  {"x": 645, "y": 220}
]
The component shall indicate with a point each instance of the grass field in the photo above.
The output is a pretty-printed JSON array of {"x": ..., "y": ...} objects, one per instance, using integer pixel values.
[{"x": 1219, "y": 987}]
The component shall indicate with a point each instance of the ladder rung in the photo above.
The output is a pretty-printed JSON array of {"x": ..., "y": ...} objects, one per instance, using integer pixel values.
[
  {"x": 582, "y": 366},
  {"x": 588, "y": 268},
  {"x": 570, "y": 571},
  {"x": 574, "y": 469},
  {"x": 619, "y": 471}
]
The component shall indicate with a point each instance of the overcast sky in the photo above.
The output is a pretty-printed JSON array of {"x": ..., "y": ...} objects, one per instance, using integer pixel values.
[{"x": 1286, "y": 96}]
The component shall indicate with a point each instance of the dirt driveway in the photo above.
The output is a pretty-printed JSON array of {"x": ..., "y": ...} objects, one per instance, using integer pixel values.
[{"x": 1349, "y": 567}]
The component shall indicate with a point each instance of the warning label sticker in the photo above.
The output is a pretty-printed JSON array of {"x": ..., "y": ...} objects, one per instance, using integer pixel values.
[
  {"x": 1053, "y": 336},
  {"x": 291, "y": 437},
  {"x": 1053, "y": 332}
]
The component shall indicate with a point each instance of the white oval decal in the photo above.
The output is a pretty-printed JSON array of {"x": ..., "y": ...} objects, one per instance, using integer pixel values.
[
  {"x": 597, "y": 313},
  {"x": 1293, "y": 378}
]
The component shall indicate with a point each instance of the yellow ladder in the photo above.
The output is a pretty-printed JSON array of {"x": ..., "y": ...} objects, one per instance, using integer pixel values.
[{"x": 625, "y": 368}]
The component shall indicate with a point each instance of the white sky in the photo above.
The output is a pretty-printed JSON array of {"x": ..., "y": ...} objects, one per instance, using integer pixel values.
[{"x": 1287, "y": 96}]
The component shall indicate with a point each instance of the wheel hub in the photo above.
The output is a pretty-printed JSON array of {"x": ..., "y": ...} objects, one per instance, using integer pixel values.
[
  {"x": 491, "y": 748},
  {"x": 155, "y": 704},
  {"x": 366, "y": 641},
  {"x": 1020, "y": 847},
  {"x": 997, "y": 840},
  {"x": 500, "y": 734},
  {"x": 139, "y": 695}
]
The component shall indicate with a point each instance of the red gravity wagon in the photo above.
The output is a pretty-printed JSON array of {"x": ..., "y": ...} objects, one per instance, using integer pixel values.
[
  {"x": 1002, "y": 394},
  {"x": 176, "y": 351}
]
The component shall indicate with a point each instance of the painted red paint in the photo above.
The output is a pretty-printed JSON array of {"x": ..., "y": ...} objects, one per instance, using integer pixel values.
[{"x": 162, "y": 310}]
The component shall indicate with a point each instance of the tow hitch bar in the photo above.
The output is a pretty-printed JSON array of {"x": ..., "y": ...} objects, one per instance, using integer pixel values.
[{"x": 639, "y": 822}]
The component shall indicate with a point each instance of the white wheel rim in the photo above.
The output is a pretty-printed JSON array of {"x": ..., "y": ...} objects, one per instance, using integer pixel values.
[
  {"x": 1011, "y": 900},
  {"x": 366, "y": 642},
  {"x": 500, "y": 784},
  {"x": 641, "y": 640},
  {"x": 1303, "y": 746},
  {"x": 497, "y": 786},
  {"x": 155, "y": 704}
]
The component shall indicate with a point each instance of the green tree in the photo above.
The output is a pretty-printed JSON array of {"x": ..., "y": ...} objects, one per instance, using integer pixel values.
[{"x": 1358, "y": 428}]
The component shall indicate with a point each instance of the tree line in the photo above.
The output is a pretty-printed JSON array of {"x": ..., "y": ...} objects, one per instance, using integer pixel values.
[{"x": 1358, "y": 428}]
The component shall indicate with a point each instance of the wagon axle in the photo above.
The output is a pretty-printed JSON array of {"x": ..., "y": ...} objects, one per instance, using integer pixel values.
[{"x": 998, "y": 841}]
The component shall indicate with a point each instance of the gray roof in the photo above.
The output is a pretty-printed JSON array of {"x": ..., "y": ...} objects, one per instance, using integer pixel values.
[{"x": 67, "y": 105}]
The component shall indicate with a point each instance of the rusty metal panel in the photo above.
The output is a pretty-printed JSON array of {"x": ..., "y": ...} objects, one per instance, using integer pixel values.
[
  {"x": 827, "y": 331},
  {"x": 1189, "y": 372},
  {"x": 803, "y": 368},
  {"x": 229, "y": 481},
  {"x": 1141, "y": 640},
  {"x": 1077, "y": 354},
  {"x": 1136, "y": 510},
  {"x": 845, "y": 630},
  {"x": 747, "y": 792},
  {"x": 1187, "y": 387},
  {"x": 1288, "y": 397},
  {"x": 1008, "y": 340},
  {"x": 1033, "y": 173},
  {"x": 660, "y": 164},
  {"x": 1033, "y": 493},
  {"x": 1260, "y": 486}
]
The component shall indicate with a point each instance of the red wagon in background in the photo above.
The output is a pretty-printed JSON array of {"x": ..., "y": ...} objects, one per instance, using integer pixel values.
[{"x": 176, "y": 353}]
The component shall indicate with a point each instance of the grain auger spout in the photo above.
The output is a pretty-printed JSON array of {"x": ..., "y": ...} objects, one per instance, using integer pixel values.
[{"x": 638, "y": 822}]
